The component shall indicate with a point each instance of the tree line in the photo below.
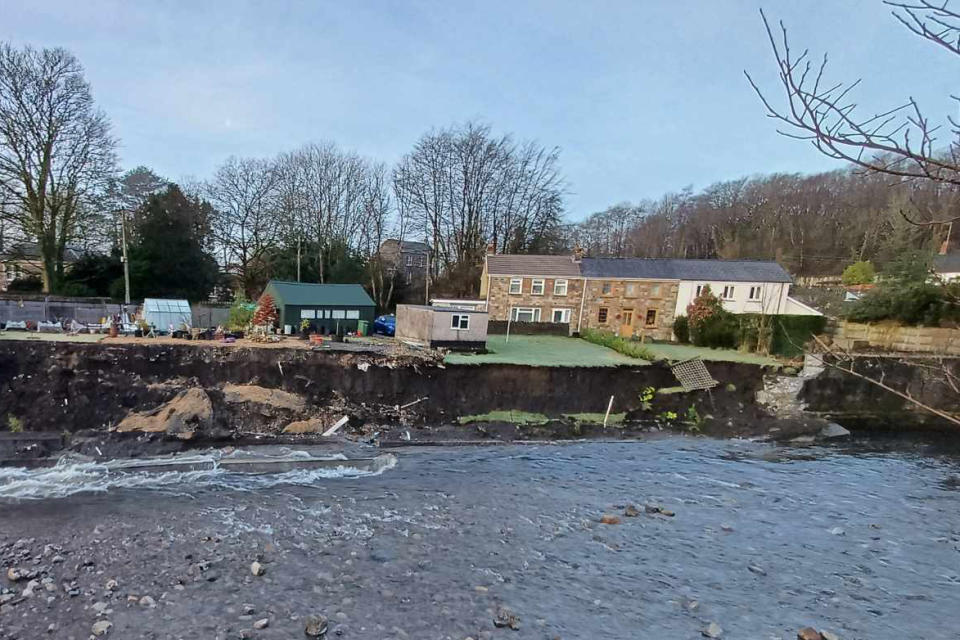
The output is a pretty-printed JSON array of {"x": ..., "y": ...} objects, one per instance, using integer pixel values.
[
  {"x": 317, "y": 213},
  {"x": 812, "y": 224}
]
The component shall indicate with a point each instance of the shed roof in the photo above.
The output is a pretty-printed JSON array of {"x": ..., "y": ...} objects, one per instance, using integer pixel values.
[
  {"x": 532, "y": 265},
  {"x": 309, "y": 294},
  {"x": 684, "y": 269},
  {"x": 442, "y": 309}
]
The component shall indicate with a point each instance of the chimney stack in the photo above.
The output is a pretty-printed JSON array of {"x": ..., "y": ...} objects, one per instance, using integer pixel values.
[
  {"x": 577, "y": 254},
  {"x": 491, "y": 249}
]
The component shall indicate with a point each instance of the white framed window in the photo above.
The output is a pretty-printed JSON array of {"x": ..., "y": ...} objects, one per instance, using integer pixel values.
[
  {"x": 536, "y": 287},
  {"x": 409, "y": 261},
  {"x": 526, "y": 314},
  {"x": 561, "y": 315},
  {"x": 728, "y": 291},
  {"x": 559, "y": 287},
  {"x": 699, "y": 290},
  {"x": 630, "y": 290},
  {"x": 308, "y": 314},
  {"x": 460, "y": 322},
  {"x": 353, "y": 314},
  {"x": 756, "y": 294},
  {"x": 516, "y": 286},
  {"x": 338, "y": 314}
]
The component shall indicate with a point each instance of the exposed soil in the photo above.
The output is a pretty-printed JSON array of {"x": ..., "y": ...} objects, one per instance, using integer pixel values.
[{"x": 163, "y": 389}]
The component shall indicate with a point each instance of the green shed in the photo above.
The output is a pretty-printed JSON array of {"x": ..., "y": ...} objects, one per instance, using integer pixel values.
[{"x": 329, "y": 308}]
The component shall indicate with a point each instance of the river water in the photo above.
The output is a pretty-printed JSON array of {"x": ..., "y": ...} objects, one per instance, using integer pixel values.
[{"x": 863, "y": 541}]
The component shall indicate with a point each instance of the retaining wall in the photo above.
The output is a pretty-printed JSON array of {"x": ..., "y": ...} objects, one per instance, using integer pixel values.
[{"x": 890, "y": 337}]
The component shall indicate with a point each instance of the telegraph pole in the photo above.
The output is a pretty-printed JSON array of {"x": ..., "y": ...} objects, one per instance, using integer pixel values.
[{"x": 123, "y": 258}]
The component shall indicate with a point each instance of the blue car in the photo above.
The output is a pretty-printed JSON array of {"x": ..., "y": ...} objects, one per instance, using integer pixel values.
[{"x": 385, "y": 325}]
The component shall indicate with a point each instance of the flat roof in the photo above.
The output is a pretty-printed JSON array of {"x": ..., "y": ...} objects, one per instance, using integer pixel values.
[{"x": 440, "y": 309}]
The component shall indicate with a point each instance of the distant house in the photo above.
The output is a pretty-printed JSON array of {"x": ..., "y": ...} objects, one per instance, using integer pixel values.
[
  {"x": 629, "y": 296},
  {"x": 23, "y": 260},
  {"x": 410, "y": 259},
  {"x": 327, "y": 308},
  {"x": 447, "y": 327}
]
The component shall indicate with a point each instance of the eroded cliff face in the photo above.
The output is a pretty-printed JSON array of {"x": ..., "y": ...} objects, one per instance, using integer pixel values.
[
  {"x": 858, "y": 404},
  {"x": 76, "y": 387}
]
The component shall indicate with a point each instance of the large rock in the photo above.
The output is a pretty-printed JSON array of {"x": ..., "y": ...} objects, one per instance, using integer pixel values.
[
  {"x": 833, "y": 430},
  {"x": 273, "y": 398},
  {"x": 190, "y": 411},
  {"x": 314, "y": 425},
  {"x": 315, "y": 626}
]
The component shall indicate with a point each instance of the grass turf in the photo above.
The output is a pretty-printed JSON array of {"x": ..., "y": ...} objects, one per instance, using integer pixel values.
[{"x": 544, "y": 351}]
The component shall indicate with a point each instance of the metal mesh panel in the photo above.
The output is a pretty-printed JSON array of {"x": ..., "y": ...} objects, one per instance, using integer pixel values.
[{"x": 692, "y": 374}]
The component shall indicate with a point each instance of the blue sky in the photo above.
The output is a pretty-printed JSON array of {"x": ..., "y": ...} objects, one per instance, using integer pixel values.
[{"x": 642, "y": 97}]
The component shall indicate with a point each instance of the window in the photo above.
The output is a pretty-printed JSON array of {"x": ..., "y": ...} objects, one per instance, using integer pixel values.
[
  {"x": 699, "y": 290},
  {"x": 422, "y": 261},
  {"x": 756, "y": 293},
  {"x": 516, "y": 285},
  {"x": 409, "y": 261},
  {"x": 308, "y": 314},
  {"x": 526, "y": 314},
  {"x": 627, "y": 317},
  {"x": 728, "y": 292},
  {"x": 460, "y": 322},
  {"x": 559, "y": 287},
  {"x": 325, "y": 313},
  {"x": 631, "y": 290},
  {"x": 655, "y": 290},
  {"x": 536, "y": 287},
  {"x": 561, "y": 315},
  {"x": 602, "y": 315},
  {"x": 338, "y": 314},
  {"x": 606, "y": 288},
  {"x": 651, "y": 319},
  {"x": 353, "y": 314}
]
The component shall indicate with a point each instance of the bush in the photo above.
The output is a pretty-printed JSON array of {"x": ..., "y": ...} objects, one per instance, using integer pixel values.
[
  {"x": 859, "y": 273},
  {"x": 681, "y": 329},
  {"x": 779, "y": 335},
  {"x": 241, "y": 312},
  {"x": 29, "y": 284},
  {"x": 922, "y": 303},
  {"x": 720, "y": 330},
  {"x": 621, "y": 345}
]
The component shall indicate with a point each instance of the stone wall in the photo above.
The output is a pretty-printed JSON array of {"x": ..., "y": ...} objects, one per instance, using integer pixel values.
[
  {"x": 627, "y": 304},
  {"x": 501, "y": 300},
  {"x": 890, "y": 337}
]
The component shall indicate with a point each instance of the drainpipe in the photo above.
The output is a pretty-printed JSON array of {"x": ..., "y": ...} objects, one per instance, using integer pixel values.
[{"x": 583, "y": 295}]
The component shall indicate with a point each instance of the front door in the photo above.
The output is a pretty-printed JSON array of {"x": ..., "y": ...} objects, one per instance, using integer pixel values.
[{"x": 626, "y": 323}]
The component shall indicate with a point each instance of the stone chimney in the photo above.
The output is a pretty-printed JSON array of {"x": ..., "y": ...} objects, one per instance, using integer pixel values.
[{"x": 577, "y": 254}]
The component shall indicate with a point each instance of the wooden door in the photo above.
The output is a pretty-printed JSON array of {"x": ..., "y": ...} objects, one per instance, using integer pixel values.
[{"x": 626, "y": 323}]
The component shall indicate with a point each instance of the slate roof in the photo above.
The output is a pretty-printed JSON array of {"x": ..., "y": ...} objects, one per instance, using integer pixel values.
[
  {"x": 31, "y": 251},
  {"x": 949, "y": 263},
  {"x": 308, "y": 294},
  {"x": 682, "y": 269},
  {"x": 532, "y": 265}
]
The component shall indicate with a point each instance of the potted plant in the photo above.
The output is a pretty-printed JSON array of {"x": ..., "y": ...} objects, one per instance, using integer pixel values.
[{"x": 305, "y": 329}]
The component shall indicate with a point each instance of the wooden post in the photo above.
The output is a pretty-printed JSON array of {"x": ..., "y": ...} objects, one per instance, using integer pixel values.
[{"x": 607, "y": 415}]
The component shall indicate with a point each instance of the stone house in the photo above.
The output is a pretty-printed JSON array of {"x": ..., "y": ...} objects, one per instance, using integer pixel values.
[
  {"x": 627, "y": 296},
  {"x": 410, "y": 259},
  {"x": 23, "y": 261}
]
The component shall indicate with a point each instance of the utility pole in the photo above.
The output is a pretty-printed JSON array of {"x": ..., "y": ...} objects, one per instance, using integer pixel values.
[
  {"x": 298, "y": 257},
  {"x": 123, "y": 258}
]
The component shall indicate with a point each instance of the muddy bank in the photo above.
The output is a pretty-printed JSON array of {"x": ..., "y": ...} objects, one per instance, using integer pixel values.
[
  {"x": 207, "y": 393},
  {"x": 858, "y": 404}
]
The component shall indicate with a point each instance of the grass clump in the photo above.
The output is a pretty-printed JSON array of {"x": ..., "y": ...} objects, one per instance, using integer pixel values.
[
  {"x": 14, "y": 424},
  {"x": 630, "y": 348},
  {"x": 514, "y": 417},
  {"x": 596, "y": 418}
]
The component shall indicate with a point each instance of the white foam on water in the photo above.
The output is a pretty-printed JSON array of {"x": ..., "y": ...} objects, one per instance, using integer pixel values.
[{"x": 70, "y": 476}]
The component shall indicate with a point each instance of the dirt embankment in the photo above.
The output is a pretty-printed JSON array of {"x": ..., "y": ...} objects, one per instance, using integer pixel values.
[{"x": 194, "y": 393}]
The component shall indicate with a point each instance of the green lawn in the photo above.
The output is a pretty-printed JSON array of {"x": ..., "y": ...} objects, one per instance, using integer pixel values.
[
  {"x": 544, "y": 351},
  {"x": 677, "y": 352}
]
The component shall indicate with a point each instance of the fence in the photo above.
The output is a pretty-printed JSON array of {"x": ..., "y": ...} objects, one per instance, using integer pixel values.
[
  {"x": 34, "y": 308},
  {"x": 891, "y": 337}
]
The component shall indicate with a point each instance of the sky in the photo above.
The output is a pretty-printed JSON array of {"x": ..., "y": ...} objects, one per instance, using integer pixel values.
[{"x": 642, "y": 97}]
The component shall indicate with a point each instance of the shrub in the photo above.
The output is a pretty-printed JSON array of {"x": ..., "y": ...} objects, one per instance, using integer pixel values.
[
  {"x": 859, "y": 273},
  {"x": 28, "y": 284},
  {"x": 921, "y": 303},
  {"x": 621, "y": 345},
  {"x": 241, "y": 312},
  {"x": 266, "y": 314},
  {"x": 721, "y": 329},
  {"x": 681, "y": 329},
  {"x": 14, "y": 424}
]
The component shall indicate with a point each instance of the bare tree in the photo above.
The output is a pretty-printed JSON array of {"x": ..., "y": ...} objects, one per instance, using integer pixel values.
[
  {"x": 245, "y": 193},
  {"x": 56, "y": 151},
  {"x": 899, "y": 141}
]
